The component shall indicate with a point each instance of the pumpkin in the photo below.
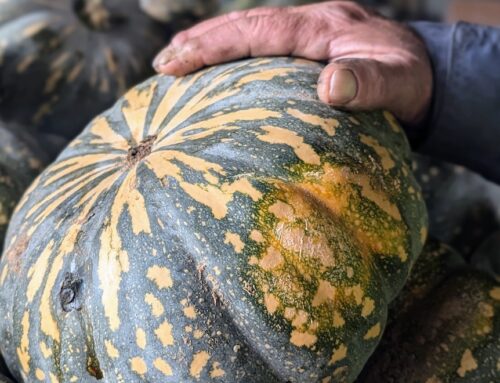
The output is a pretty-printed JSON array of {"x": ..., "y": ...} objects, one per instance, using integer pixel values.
[
  {"x": 453, "y": 335},
  {"x": 20, "y": 161},
  {"x": 64, "y": 61},
  {"x": 433, "y": 266},
  {"x": 226, "y": 226},
  {"x": 464, "y": 208}
]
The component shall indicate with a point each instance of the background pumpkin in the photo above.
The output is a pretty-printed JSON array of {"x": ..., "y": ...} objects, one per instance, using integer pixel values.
[
  {"x": 436, "y": 262},
  {"x": 452, "y": 335},
  {"x": 464, "y": 208},
  {"x": 167, "y": 11},
  {"x": 216, "y": 221},
  {"x": 20, "y": 161},
  {"x": 64, "y": 61}
]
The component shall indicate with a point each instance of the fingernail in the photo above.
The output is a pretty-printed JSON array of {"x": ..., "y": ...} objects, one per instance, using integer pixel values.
[
  {"x": 343, "y": 86},
  {"x": 163, "y": 58}
]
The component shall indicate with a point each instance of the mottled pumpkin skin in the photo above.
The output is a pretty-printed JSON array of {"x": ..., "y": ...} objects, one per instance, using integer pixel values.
[
  {"x": 436, "y": 262},
  {"x": 227, "y": 227},
  {"x": 64, "y": 61},
  {"x": 20, "y": 161},
  {"x": 451, "y": 336}
]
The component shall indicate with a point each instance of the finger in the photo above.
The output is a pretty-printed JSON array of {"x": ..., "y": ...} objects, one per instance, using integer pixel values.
[
  {"x": 205, "y": 27},
  {"x": 369, "y": 84},
  {"x": 248, "y": 36}
]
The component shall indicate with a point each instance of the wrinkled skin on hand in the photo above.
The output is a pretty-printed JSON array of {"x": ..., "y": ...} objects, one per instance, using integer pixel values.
[{"x": 373, "y": 62}]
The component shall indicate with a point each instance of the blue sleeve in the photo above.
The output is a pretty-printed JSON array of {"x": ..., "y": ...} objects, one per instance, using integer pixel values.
[{"x": 464, "y": 121}]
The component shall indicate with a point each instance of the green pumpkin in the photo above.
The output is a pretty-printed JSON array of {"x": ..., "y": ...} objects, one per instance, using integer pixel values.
[
  {"x": 450, "y": 336},
  {"x": 433, "y": 265},
  {"x": 20, "y": 161},
  {"x": 64, "y": 61},
  {"x": 226, "y": 226}
]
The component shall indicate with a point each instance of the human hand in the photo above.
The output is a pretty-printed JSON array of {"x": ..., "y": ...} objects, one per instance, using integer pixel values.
[{"x": 374, "y": 63}]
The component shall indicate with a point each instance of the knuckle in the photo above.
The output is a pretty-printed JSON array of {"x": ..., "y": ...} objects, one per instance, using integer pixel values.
[{"x": 180, "y": 38}]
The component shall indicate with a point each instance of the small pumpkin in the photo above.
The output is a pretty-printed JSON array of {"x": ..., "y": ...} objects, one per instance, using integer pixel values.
[
  {"x": 226, "y": 226},
  {"x": 20, "y": 161},
  {"x": 64, "y": 61},
  {"x": 452, "y": 335}
]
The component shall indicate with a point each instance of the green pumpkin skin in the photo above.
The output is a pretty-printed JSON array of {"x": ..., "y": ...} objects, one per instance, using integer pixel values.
[
  {"x": 21, "y": 160},
  {"x": 451, "y": 336},
  {"x": 436, "y": 262},
  {"x": 206, "y": 228},
  {"x": 64, "y": 61}
]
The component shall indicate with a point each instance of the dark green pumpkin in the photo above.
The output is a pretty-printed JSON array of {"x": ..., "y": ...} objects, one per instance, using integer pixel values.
[
  {"x": 436, "y": 262},
  {"x": 20, "y": 161},
  {"x": 450, "y": 336},
  {"x": 64, "y": 61},
  {"x": 227, "y": 227}
]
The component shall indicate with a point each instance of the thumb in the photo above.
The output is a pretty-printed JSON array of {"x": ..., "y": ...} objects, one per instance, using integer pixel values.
[{"x": 366, "y": 84}]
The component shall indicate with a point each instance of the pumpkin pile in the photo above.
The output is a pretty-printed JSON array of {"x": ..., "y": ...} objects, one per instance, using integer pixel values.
[{"x": 222, "y": 227}]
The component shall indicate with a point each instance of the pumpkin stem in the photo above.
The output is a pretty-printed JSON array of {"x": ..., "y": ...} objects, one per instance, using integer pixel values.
[{"x": 137, "y": 153}]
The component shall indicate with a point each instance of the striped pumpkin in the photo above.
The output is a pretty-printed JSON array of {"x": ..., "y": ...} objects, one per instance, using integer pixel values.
[
  {"x": 20, "y": 161},
  {"x": 226, "y": 226},
  {"x": 64, "y": 61}
]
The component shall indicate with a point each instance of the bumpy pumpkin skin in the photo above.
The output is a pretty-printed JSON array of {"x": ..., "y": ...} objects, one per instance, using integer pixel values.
[
  {"x": 64, "y": 61},
  {"x": 226, "y": 227},
  {"x": 436, "y": 262},
  {"x": 452, "y": 336},
  {"x": 20, "y": 162}
]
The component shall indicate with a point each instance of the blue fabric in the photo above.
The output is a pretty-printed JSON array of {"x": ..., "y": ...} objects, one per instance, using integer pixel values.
[{"x": 464, "y": 122}]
